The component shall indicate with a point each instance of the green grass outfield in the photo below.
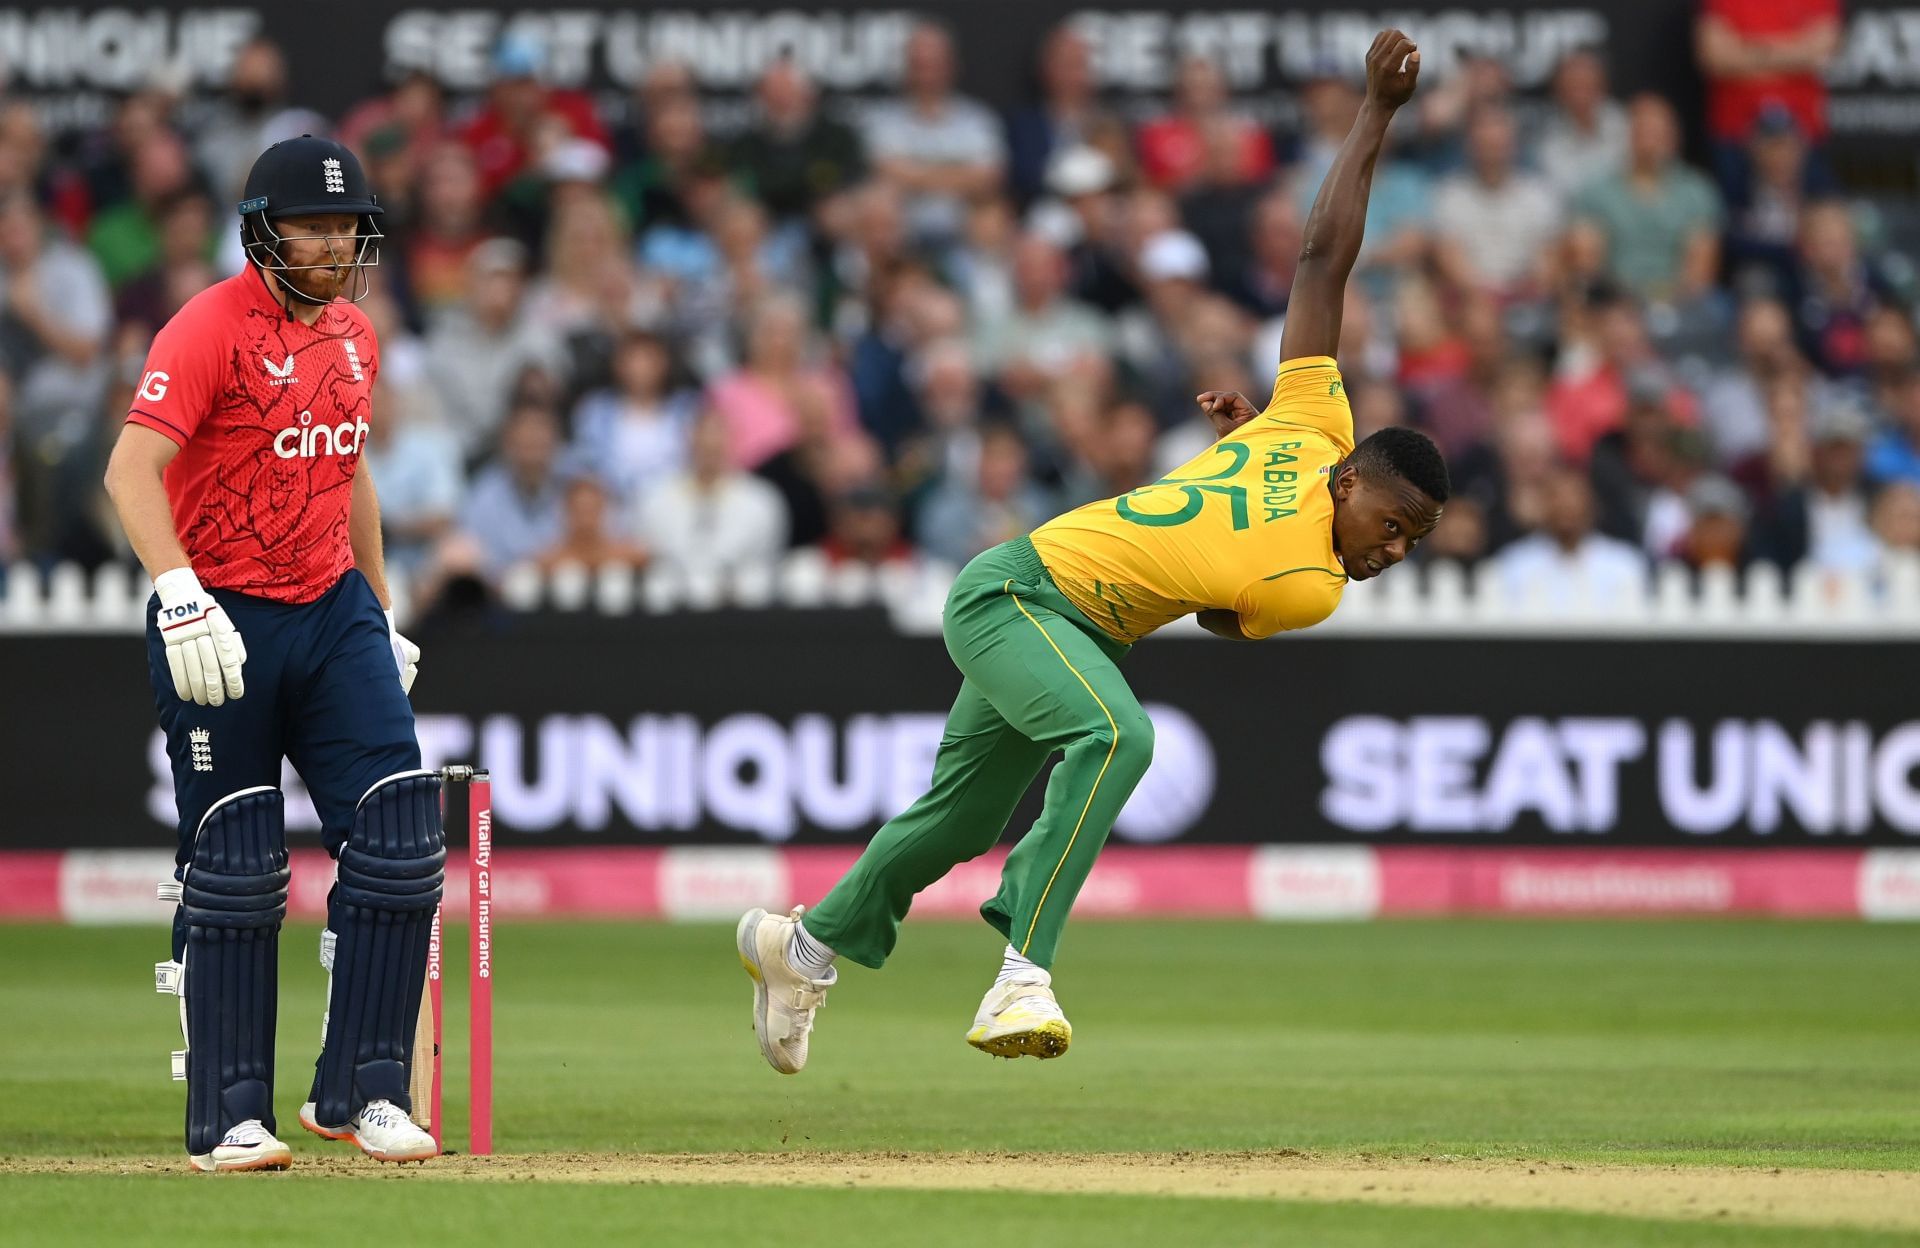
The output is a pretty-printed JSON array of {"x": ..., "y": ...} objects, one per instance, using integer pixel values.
[{"x": 1697, "y": 1044}]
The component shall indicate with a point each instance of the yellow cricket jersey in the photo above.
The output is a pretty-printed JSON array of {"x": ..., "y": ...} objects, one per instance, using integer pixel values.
[{"x": 1246, "y": 526}]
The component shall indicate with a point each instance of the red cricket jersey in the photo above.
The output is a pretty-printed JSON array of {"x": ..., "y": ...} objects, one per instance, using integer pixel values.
[
  {"x": 270, "y": 415},
  {"x": 1732, "y": 106}
]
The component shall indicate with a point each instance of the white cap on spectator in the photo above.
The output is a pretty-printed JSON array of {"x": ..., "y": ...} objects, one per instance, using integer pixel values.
[
  {"x": 1079, "y": 170},
  {"x": 1173, "y": 254},
  {"x": 1715, "y": 495},
  {"x": 500, "y": 255},
  {"x": 1840, "y": 422},
  {"x": 576, "y": 160}
]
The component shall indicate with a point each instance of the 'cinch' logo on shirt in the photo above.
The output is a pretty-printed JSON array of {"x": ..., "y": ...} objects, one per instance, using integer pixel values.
[{"x": 307, "y": 440}]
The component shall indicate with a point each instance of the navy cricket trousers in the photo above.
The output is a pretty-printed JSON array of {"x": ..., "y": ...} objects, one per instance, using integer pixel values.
[{"x": 322, "y": 690}]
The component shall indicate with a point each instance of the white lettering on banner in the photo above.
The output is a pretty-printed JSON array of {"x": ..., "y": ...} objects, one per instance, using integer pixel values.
[
  {"x": 1426, "y": 775},
  {"x": 119, "y": 48},
  {"x": 666, "y": 773},
  {"x": 1140, "y": 50},
  {"x": 1879, "y": 48},
  {"x": 1716, "y": 807},
  {"x": 725, "y": 50}
]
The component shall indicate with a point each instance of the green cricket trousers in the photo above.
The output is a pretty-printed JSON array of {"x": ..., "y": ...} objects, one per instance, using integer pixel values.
[{"x": 1039, "y": 678}]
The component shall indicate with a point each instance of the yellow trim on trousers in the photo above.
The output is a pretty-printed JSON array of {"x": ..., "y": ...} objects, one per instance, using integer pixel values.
[{"x": 1114, "y": 745}]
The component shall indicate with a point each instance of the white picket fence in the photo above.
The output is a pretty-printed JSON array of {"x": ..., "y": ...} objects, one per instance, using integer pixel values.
[{"x": 1443, "y": 600}]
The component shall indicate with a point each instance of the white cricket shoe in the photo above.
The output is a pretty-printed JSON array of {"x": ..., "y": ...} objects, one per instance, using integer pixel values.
[
  {"x": 381, "y": 1130},
  {"x": 248, "y": 1146},
  {"x": 1020, "y": 1018},
  {"x": 784, "y": 999}
]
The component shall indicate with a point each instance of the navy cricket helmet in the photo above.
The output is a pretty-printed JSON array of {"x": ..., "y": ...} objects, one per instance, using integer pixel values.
[{"x": 304, "y": 176}]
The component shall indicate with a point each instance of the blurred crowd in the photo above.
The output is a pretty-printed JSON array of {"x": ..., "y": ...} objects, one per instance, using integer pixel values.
[{"x": 911, "y": 327}]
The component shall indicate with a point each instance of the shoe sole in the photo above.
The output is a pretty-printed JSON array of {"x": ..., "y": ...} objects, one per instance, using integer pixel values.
[
  {"x": 354, "y": 1140},
  {"x": 279, "y": 1160},
  {"x": 1049, "y": 1039},
  {"x": 749, "y": 952}
]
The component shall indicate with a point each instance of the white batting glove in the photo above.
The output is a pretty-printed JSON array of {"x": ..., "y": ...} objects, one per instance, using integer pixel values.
[
  {"x": 204, "y": 650},
  {"x": 406, "y": 656}
]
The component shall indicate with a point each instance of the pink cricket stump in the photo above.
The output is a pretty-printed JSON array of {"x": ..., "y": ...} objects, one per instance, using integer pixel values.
[
  {"x": 480, "y": 975},
  {"x": 435, "y": 1121}
]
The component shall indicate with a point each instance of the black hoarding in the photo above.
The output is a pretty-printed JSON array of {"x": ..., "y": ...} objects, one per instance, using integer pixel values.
[{"x": 810, "y": 728}]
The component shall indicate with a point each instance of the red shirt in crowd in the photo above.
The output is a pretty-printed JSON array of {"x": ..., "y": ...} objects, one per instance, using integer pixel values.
[
  {"x": 1173, "y": 152},
  {"x": 499, "y": 152},
  {"x": 1733, "y": 104},
  {"x": 270, "y": 416}
]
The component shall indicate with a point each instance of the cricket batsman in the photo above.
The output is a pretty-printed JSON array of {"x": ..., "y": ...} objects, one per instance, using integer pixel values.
[
  {"x": 1259, "y": 534},
  {"x": 239, "y": 481}
]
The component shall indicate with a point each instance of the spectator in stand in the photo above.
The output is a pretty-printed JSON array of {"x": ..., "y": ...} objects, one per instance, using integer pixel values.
[
  {"x": 1218, "y": 200},
  {"x": 1084, "y": 217},
  {"x": 666, "y": 189},
  {"x": 436, "y": 253},
  {"x": 1459, "y": 414},
  {"x": 588, "y": 538},
  {"x": 1825, "y": 519},
  {"x": 56, "y": 320},
  {"x": 1661, "y": 220},
  {"x": 1151, "y": 336},
  {"x": 1590, "y": 397},
  {"x": 250, "y": 116},
  {"x": 1642, "y": 471},
  {"x": 1567, "y": 563},
  {"x": 125, "y": 238},
  {"x": 1432, "y": 354},
  {"x": 1893, "y": 353},
  {"x": 1493, "y": 225},
  {"x": 864, "y": 528},
  {"x": 1000, "y": 501},
  {"x": 1046, "y": 333},
  {"x": 939, "y": 148},
  {"x": 415, "y": 463},
  {"x": 403, "y": 129},
  {"x": 635, "y": 431},
  {"x": 666, "y": 83},
  {"x": 1274, "y": 232},
  {"x": 587, "y": 255},
  {"x": 1896, "y": 519},
  {"x": 1782, "y": 463},
  {"x": 1441, "y": 115},
  {"x": 1759, "y": 52},
  {"x": 1767, "y": 201},
  {"x": 1062, "y": 118},
  {"x": 1462, "y": 537},
  {"x": 781, "y": 389},
  {"x": 745, "y": 262},
  {"x": 1585, "y": 135},
  {"x": 1112, "y": 452},
  {"x": 793, "y": 159},
  {"x": 1834, "y": 290},
  {"x": 1734, "y": 405},
  {"x": 181, "y": 268},
  {"x": 713, "y": 517},
  {"x": 1895, "y": 455},
  {"x": 947, "y": 443},
  {"x": 1716, "y": 525},
  {"x": 514, "y": 510},
  {"x": 504, "y": 135},
  {"x": 480, "y": 346},
  {"x": 1174, "y": 147}
]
